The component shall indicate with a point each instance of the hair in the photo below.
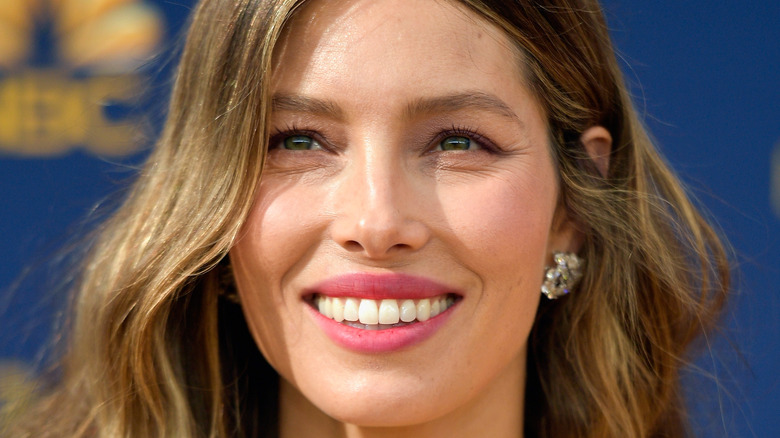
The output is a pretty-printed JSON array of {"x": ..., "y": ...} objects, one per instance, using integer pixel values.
[{"x": 156, "y": 350}]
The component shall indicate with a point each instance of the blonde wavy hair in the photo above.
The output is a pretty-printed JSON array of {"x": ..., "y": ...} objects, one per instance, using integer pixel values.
[{"x": 156, "y": 350}]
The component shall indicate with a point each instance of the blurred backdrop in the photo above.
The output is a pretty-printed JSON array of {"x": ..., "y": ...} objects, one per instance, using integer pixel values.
[{"x": 83, "y": 90}]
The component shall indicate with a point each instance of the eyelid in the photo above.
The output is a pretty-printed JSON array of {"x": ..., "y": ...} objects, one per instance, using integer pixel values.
[
  {"x": 473, "y": 134},
  {"x": 279, "y": 135},
  {"x": 483, "y": 141}
]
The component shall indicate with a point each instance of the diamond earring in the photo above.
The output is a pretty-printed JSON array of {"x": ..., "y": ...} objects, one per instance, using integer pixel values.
[{"x": 563, "y": 277}]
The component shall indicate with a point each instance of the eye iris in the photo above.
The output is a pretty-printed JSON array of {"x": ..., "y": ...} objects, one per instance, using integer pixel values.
[
  {"x": 456, "y": 143},
  {"x": 298, "y": 142}
]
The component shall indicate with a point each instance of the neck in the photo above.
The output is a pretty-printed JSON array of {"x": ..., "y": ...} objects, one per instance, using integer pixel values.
[{"x": 496, "y": 412}]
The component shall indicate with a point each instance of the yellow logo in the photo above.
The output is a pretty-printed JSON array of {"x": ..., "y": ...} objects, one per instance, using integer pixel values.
[{"x": 69, "y": 73}]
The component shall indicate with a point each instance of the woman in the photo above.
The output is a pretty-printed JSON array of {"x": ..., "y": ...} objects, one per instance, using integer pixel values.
[{"x": 370, "y": 196}]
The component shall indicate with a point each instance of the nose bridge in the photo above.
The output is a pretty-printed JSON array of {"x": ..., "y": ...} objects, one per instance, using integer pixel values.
[
  {"x": 375, "y": 214},
  {"x": 378, "y": 172}
]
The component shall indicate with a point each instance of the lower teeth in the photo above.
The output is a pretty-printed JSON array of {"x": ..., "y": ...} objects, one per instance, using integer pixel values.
[{"x": 374, "y": 326}]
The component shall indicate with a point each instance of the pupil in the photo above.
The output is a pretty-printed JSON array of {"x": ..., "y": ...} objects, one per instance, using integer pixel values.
[
  {"x": 298, "y": 142},
  {"x": 456, "y": 144}
]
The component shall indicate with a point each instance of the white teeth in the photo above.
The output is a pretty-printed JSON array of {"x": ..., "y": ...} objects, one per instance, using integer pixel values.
[
  {"x": 328, "y": 309},
  {"x": 368, "y": 312},
  {"x": 321, "y": 305},
  {"x": 434, "y": 308},
  {"x": 325, "y": 307},
  {"x": 408, "y": 311},
  {"x": 388, "y": 312},
  {"x": 350, "y": 309},
  {"x": 423, "y": 310},
  {"x": 337, "y": 307}
]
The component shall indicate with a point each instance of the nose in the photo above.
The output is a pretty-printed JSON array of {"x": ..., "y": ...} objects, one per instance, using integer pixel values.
[{"x": 379, "y": 207}]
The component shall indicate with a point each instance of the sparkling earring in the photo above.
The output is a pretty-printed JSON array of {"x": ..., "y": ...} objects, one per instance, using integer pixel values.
[{"x": 563, "y": 277}]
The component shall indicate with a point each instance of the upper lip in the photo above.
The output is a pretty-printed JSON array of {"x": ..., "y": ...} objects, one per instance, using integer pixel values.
[{"x": 380, "y": 286}]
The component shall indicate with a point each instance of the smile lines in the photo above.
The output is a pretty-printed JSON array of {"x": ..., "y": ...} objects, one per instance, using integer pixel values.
[{"x": 381, "y": 314}]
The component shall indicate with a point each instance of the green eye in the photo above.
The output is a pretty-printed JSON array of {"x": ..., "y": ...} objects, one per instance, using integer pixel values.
[
  {"x": 455, "y": 143},
  {"x": 299, "y": 143}
]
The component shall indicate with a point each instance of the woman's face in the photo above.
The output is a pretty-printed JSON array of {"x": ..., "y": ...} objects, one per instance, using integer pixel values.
[{"x": 408, "y": 163}]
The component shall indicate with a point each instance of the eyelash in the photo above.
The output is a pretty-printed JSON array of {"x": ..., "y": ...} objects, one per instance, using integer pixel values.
[
  {"x": 455, "y": 131},
  {"x": 463, "y": 131},
  {"x": 290, "y": 130}
]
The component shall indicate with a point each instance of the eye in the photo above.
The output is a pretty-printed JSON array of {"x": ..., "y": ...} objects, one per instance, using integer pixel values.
[
  {"x": 299, "y": 142},
  {"x": 457, "y": 143},
  {"x": 461, "y": 139}
]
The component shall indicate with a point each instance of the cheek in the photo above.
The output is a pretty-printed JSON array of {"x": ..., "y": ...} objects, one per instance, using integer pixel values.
[
  {"x": 498, "y": 229},
  {"x": 279, "y": 229},
  {"x": 271, "y": 243},
  {"x": 504, "y": 223},
  {"x": 502, "y": 227},
  {"x": 259, "y": 302}
]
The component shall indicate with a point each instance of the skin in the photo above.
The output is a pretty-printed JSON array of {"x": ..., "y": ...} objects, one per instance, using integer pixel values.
[{"x": 378, "y": 194}]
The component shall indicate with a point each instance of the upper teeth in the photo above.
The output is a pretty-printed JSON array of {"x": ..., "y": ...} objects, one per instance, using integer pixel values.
[{"x": 381, "y": 311}]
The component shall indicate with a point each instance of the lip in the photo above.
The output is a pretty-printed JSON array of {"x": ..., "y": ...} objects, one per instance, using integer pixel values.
[
  {"x": 377, "y": 287},
  {"x": 381, "y": 286},
  {"x": 380, "y": 341}
]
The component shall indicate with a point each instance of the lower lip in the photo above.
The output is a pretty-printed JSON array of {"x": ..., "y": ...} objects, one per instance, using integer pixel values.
[{"x": 380, "y": 341}]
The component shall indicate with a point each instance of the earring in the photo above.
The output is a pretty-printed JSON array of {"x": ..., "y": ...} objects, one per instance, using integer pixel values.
[{"x": 563, "y": 277}]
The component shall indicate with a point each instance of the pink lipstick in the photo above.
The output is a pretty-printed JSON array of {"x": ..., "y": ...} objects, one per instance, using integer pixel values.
[{"x": 378, "y": 313}]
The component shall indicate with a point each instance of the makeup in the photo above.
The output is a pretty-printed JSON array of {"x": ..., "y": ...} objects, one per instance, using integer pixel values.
[{"x": 380, "y": 313}]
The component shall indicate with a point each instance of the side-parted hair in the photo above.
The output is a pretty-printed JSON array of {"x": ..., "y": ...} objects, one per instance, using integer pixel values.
[{"x": 155, "y": 350}]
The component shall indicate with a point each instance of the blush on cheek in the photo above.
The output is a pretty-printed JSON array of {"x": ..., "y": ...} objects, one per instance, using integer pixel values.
[
  {"x": 501, "y": 217},
  {"x": 282, "y": 218}
]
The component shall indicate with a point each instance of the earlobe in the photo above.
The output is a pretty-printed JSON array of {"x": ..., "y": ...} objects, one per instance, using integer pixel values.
[
  {"x": 598, "y": 143},
  {"x": 565, "y": 236}
]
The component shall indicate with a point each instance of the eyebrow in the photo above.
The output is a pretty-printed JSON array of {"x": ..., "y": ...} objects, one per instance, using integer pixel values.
[
  {"x": 459, "y": 102},
  {"x": 425, "y": 105},
  {"x": 304, "y": 104}
]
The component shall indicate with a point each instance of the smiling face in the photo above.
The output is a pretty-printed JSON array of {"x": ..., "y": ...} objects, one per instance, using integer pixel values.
[{"x": 409, "y": 163}]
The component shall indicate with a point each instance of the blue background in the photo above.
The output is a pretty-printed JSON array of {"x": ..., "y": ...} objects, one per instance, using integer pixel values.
[{"x": 704, "y": 75}]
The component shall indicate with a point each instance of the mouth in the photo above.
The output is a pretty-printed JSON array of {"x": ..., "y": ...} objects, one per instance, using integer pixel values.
[
  {"x": 375, "y": 314},
  {"x": 380, "y": 313}
]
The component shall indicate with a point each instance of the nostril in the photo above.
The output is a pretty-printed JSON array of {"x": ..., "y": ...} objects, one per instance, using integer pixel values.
[
  {"x": 352, "y": 245},
  {"x": 400, "y": 246},
  {"x": 378, "y": 236}
]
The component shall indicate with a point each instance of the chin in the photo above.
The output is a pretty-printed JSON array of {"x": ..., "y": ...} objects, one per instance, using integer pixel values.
[
  {"x": 379, "y": 401},
  {"x": 384, "y": 411}
]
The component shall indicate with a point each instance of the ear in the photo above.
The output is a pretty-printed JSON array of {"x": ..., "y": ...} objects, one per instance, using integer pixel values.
[
  {"x": 598, "y": 143},
  {"x": 565, "y": 235}
]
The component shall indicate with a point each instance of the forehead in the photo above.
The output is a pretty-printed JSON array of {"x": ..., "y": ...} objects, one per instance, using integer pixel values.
[{"x": 398, "y": 46}]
